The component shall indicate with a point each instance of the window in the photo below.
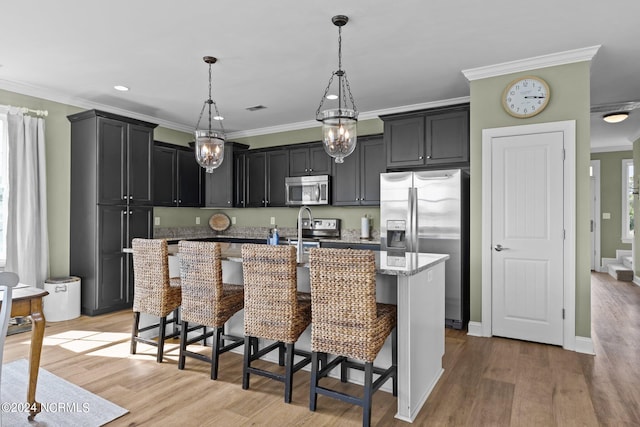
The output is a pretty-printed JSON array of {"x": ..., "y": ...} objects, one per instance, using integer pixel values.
[
  {"x": 628, "y": 189},
  {"x": 4, "y": 189}
]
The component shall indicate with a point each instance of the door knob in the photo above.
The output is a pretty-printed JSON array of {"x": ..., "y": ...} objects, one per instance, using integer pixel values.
[{"x": 499, "y": 248}]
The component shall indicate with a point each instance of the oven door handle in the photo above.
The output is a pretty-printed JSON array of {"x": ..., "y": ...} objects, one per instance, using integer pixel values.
[{"x": 317, "y": 192}]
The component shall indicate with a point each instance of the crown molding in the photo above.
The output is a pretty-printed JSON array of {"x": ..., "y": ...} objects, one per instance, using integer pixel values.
[
  {"x": 59, "y": 97},
  {"x": 361, "y": 116},
  {"x": 612, "y": 148},
  {"x": 543, "y": 61}
]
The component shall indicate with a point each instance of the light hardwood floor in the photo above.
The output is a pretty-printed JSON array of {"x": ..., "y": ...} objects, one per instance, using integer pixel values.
[{"x": 487, "y": 381}]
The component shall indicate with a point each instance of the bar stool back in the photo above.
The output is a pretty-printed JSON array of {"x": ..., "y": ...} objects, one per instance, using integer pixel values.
[
  {"x": 348, "y": 323},
  {"x": 154, "y": 292},
  {"x": 206, "y": 301},
  {"x": 273, "y": 310}
]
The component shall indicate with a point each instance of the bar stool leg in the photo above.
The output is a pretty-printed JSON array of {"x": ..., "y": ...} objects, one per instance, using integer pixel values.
[
  {"x": 313, "y": 396},
  {"x": 288, "y": 376},
  {"x": 134, "y": 331},
  {"x": 394, "y": 359},
  {"x": 215, "y": 351},
  {"x": 245, "y": 363},
  {"x": 366, "y": 399},
  {"x": 161, "y": 335},
  {"x": 183, "y": 344}
]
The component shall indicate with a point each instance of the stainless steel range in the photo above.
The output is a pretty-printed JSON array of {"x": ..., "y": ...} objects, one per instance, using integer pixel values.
[{"x": 315, "y": 229}]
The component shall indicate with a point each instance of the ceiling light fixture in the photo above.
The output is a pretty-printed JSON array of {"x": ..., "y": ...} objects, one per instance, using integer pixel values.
[
  {"x": 616, "y": 117},
  {"x": 209, "y": 147},
  {"x": 339, "y": 133},
  {"x": 121, "y": 88}
]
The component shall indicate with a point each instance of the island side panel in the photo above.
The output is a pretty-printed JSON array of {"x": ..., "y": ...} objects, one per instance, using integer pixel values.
[{"x": 420, "y": 338}]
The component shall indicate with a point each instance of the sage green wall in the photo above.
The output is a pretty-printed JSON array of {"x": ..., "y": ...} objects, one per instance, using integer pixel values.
[
  {"x": 570, "y": 100},
  {"x": 611, "y": 201}
]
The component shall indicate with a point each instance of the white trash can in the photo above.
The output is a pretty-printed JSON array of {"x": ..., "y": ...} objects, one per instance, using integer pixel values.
[{"x": 63, "y": 301}]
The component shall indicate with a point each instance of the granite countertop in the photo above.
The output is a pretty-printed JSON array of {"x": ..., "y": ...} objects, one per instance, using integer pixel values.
[
  {"x": 256, "y": 233},
  {"x": 388, "y": 263}
]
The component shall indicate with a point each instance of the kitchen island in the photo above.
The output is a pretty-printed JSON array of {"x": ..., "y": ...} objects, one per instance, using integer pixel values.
[{"x": 413, "y": 281}]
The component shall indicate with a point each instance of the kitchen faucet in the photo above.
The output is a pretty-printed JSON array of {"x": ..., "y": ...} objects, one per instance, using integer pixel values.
[{"x": 299, "y": 246}]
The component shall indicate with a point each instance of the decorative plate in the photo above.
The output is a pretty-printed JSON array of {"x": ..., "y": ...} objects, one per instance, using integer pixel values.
[{"x": 219, "y": 222}]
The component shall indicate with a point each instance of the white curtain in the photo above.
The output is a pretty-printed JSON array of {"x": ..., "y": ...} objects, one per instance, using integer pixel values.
[{"x": 27, "y": 232}]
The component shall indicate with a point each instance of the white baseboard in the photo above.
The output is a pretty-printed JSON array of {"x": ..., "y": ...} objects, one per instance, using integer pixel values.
[
  {"x": 605, "y": 263},
  {"x": 475, "y": 329},
  {"x": 584, "y": 345},
  {"x": 636, "y": 280}
]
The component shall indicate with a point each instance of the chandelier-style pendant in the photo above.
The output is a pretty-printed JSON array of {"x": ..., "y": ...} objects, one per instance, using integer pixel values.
[
  {"x": 209, "y": 144},
  {"x": 339, "y": 132}
]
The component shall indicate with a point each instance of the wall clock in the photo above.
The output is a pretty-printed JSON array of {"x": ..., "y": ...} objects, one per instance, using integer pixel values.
[{"x": 526, "y": 96}]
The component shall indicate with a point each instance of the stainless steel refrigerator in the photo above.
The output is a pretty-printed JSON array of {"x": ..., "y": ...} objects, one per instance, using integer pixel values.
[{"x": 428, "y": 211}]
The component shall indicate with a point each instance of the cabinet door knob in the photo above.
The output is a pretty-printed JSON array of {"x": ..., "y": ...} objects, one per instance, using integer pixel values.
[
  {"x": 130, "y": 212},
  {"x": 130, "y": 197},
  {"x": 428, "y": 157},
  {"x": 228, "y": 202},
  {"x": 420, "y": 158},
  {"x": 310, "y": 170}
]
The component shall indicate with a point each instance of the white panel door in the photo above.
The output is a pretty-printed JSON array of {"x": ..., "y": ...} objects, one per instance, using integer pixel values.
[{"x": 528, "y": 237}]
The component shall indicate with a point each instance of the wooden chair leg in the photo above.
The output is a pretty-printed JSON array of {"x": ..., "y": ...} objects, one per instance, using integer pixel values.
[
  {"x": 176, "y": 320},
  {"x": 313, "y": 396},
  {"x": 183, "y": 344},
  {"x": 281, "y": 355},
  {"x": 288, "y": 376},
  {"x": 161, "y": 335},
  {"x": 134, "y": 331},
  {"x": 368, "y": 392},
  {"x": 344, "y": 368},
  {"x": 246, "y": 362},
  {"x": 215, "y": 351}
]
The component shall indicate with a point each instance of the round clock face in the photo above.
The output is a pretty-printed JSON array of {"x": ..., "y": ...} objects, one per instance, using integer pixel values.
[{"x": 526, "y": 96}]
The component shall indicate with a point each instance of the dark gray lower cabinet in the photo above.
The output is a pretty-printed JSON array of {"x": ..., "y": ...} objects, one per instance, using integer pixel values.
[
  {"x": 356, "y": 182},
  {"x": 118, "y": 225}
]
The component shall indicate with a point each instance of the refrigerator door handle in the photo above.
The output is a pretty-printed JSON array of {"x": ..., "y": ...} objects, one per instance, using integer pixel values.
[{"x": 412, "y": 225}]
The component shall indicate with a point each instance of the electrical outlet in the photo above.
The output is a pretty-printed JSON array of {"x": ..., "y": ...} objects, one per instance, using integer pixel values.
[
  {"x": 156, "y": 220},
  {"x": 233, "y": 220},
  {"x": 197, "y": 220},
  {"x": 273, "y": 220},
  {"x": 606, "y": 215}
]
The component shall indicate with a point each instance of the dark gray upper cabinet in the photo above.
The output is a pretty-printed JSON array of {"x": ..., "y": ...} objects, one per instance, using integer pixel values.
[
  {"x": 265, "y": 173},
  {"x": 178, "y": 178},
  {"x": 124, "y": 161},
  {"x": 309, "y": 159},
  {"x": 419, "y": 140},
  {"x": 220, "y": 188},
  {"x": 356, "y": 182},
  {"x": 111, "y": 203}
]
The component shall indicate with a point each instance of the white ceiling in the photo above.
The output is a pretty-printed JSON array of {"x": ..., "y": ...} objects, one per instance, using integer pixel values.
[{"x": 280, "y": 54}]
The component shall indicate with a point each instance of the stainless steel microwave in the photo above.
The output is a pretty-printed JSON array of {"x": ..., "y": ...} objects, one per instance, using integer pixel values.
[{"x": 307, "y": 190}]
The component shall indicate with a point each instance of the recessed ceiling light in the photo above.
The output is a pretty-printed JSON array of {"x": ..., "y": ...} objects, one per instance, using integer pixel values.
[
  {"x": 121, "y": 88},
  {"x": 217, "y": 118},
  {"x": 332, "y": 96},
  {"x": 615, "y": 117}
]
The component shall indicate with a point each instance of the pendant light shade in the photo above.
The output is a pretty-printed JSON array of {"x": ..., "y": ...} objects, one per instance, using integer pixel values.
[
  {"x": 209, "y": 144},
  {"x": 339, "y": 131}
]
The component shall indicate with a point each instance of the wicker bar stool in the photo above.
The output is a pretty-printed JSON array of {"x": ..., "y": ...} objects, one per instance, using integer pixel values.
[
  {"x": 273, "y": 310},
  {"x": 206, "y": 301},
  {"x": 348, "y": 323},
  {"x": 154, "y": 292}
]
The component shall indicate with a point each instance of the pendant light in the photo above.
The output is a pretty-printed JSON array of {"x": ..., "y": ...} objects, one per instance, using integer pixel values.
[
  {"x": 339, "y": 133},
  {"x": 209, "y": 146}
]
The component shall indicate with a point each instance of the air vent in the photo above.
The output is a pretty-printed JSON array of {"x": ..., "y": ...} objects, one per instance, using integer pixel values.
[{"x": 255, "y": 108}]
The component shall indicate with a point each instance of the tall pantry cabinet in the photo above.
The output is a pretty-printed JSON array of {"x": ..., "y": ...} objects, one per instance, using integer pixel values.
[{"x": 111, "y": 203}]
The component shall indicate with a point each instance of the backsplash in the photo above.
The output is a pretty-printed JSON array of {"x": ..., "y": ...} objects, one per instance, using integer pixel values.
[{"x": 200, "y": 232}]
